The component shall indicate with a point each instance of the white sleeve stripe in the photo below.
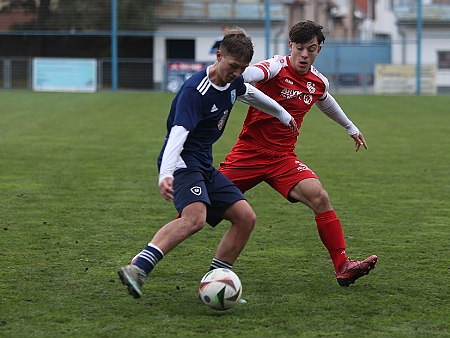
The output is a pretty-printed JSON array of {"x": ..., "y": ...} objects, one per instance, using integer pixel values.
[
  {"x": 264, "y": 70},
  {"x": 254, "y": 74},
  {"x": 324, "y": 80},
  {"x": 204, "y": 85}
]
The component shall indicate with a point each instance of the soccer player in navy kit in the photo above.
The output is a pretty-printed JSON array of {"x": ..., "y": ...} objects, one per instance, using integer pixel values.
[
  {"x": 266, "y": 152},
  {"x": 200, "y": 193}
]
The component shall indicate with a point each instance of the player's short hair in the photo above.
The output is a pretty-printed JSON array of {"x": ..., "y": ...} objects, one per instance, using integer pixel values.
[
  {"x": 305, "y": 31},
  {"x": 236, "y": 43}
]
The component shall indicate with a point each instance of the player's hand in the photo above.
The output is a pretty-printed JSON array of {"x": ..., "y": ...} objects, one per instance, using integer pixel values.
[
  {"x": 166, "y": 188},
  {"x": 359, "y": 141},
  {"x": 293, "y": 125}
]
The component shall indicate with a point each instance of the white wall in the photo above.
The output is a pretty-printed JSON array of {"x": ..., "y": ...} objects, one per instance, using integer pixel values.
[
  {"x": 384, "y": 18},
  {"x": 204, "y": 37},
  {"x": 433, "y": 40}
]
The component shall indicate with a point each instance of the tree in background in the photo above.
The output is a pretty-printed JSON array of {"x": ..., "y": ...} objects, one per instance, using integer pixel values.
[
  {"x": 83, "y": 15},
  {"x": 17, "y": 5}
]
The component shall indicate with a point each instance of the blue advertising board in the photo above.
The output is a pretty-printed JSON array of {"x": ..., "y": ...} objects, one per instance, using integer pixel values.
[
  {"x": 64, "y": 75},
  {"x": 179, "y": 71}
]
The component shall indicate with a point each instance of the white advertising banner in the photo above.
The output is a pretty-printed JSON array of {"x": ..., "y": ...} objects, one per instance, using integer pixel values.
[{"x": 401, "y": 79}]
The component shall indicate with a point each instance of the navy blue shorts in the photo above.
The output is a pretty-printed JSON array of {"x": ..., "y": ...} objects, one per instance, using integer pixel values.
[{"x": 210, "y": 186}]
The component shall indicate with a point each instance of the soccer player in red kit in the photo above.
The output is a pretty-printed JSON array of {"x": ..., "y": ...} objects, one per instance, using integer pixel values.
[{"x": 265, "y": 150}]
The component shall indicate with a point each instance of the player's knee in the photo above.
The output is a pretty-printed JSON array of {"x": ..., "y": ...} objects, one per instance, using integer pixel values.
[
  {"x": 197, "y": 226},
  {"x": 321, "y": 200},
  {"x": 196, "y": 223},
  {"x": 246, "y": 222},
  {"x": 250, "y": 220}
]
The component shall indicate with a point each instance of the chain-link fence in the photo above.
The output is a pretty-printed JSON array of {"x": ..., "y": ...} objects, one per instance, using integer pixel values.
[
  {"x": 133, "y": 74},
  {"x": 15, "y": 73}
]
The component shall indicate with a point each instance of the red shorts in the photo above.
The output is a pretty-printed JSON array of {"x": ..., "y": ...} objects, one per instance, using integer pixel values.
[{"x": 248, "y": 164}]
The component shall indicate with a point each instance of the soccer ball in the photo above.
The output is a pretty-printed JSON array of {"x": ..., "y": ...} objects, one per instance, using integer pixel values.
[{"x": 220, "y": 289}]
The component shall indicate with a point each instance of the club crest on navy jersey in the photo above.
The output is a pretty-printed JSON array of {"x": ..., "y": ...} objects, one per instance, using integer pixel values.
[{"x": 233, "y": 96}]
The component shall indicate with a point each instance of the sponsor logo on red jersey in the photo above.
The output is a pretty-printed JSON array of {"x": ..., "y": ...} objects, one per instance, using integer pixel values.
[{"x": 290, "y": 93}]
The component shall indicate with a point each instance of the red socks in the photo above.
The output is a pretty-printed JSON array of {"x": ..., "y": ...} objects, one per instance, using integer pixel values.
[{"x": 330, "y": 232}]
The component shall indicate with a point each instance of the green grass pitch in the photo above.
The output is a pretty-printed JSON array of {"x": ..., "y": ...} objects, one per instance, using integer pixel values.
[{"x": 79, "y": 198}]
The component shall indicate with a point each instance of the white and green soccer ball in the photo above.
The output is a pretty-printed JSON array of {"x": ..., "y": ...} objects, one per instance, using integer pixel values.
[{"x": 220, "y": 289}]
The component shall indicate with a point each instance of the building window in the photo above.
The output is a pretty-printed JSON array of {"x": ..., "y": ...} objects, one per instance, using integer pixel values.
[
  {"x": 180, "y": 49},
  {"x": 444, "y": 60}
]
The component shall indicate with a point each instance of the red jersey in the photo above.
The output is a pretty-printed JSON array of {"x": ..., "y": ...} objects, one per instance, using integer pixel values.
[{"x": 293, "y": 91}]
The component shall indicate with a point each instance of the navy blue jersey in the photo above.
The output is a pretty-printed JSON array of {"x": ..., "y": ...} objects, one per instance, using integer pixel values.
[{"x": 203, "y": 109}]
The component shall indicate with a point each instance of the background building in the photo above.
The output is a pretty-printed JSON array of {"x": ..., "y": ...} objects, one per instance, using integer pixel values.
[{"x": 153, "y": 36}]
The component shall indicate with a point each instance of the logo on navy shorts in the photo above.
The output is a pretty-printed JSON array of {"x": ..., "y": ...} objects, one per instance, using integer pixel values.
[{"x": 196, "y": 191}]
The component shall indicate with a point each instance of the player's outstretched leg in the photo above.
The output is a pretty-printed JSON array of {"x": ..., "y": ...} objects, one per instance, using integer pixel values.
[
  {"x": 133, "y": 277},
  {"x": 353, "y": 270}
]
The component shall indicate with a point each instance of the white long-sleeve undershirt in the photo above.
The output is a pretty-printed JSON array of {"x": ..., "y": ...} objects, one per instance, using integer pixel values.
[
  {"x": 331, "y": 108},
  {"x": 253, "y": 74},
  {"x": 171, "y": 159}
]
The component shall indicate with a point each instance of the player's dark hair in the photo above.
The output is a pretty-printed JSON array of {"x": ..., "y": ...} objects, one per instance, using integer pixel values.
[
  {"x": 305, "y": 31},
  {"x": 236, "y": 43}
]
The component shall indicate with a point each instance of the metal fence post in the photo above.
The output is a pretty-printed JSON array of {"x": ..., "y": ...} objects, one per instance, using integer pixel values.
[
  {"x": 419, "y": 46},
  {"x": 267, "y": 27},
  {"x": 114, "y": 45},
  {"x": 30, "y": 73},
  {"x": 7, "y": 74}
]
